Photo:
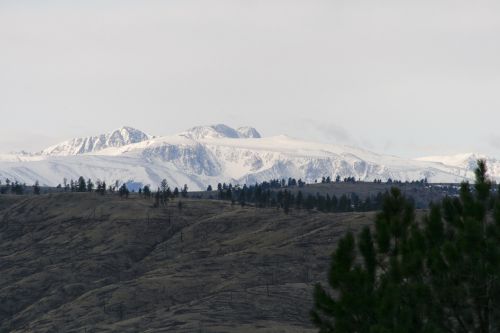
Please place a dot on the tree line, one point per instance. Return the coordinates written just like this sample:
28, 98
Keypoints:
277, 193
15, 187
292, 182
164, 192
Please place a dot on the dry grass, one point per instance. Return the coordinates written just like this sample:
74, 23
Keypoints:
87, 263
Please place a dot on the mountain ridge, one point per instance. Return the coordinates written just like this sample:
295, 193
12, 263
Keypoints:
120, 137
206, 155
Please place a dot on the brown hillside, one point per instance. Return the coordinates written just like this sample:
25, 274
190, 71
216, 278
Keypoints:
88, 263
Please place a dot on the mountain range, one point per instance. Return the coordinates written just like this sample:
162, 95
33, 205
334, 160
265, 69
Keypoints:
206, 155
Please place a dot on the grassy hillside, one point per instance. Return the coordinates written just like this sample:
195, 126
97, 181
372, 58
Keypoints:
81, 262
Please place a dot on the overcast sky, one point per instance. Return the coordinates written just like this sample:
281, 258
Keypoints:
409, 78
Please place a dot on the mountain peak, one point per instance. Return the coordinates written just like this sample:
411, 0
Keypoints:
249, 132
120, 137
126, 135
209, 154
220, 131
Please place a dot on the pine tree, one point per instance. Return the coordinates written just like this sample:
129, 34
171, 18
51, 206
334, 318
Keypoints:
164, 185
90, 185
287, 201
184, 192
147, 191
299, 200
157, 199
441, 275
123, 191
82, 186
36, 188
164, 191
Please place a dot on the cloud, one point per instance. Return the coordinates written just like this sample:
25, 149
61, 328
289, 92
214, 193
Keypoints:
329, 131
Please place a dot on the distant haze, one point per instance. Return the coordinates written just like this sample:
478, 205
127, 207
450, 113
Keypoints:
409, 78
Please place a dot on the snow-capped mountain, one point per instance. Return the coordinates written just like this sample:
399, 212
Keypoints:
117, 138
248, 132
211, 154
220, 131
466, 163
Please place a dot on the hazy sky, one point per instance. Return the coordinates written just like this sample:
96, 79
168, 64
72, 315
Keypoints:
410, 78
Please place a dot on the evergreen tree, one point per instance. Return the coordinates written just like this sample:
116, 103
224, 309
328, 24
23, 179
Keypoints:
299, 200
441, 275
309, 203
164, 191
287, 200
334, 204
164, 185
90, 185
123, 191
36, 188
157, 199
242, 195
82, 186
101, 187
17, 188
147, 191
184, 192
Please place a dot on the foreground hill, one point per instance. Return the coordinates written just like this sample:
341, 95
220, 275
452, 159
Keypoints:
90, 263
210, 154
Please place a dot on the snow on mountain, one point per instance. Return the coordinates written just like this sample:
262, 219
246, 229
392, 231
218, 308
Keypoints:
459, 160
118, 138
220, 131
211, 154
248, 132
466, 163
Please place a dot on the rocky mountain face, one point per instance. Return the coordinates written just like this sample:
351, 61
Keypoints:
211, 154
118, 138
